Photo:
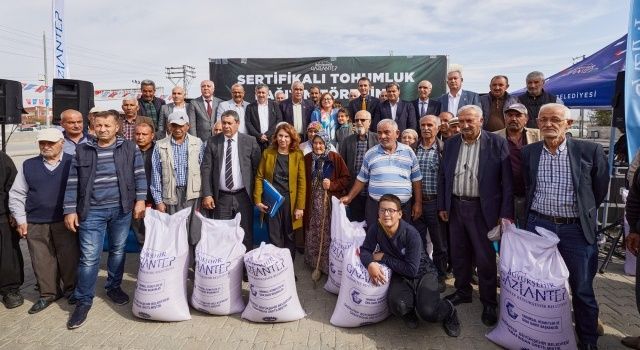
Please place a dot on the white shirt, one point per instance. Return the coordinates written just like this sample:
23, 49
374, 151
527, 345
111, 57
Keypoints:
454, 101
263, 115
297, 117
394, 109
235, 166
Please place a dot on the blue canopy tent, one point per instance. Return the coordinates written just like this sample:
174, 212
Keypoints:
589, 83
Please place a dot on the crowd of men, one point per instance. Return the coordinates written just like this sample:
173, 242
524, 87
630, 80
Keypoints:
478, 160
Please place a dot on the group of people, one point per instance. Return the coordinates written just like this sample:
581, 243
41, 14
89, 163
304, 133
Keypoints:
440, 172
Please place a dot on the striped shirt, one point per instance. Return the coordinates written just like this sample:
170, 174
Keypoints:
429, 161
390, 172
555, 195
105, 185
180, 166
465, 177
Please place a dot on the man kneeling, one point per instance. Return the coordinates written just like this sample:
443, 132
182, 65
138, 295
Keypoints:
413, 291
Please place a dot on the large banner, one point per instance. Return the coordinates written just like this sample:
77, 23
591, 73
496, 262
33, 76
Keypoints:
632, 80
60, 61
336, 75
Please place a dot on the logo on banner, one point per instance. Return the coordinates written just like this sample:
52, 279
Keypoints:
585, 69
324, 66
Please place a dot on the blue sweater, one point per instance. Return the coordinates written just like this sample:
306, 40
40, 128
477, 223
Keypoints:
46, 189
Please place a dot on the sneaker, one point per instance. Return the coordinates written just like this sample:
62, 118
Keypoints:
79, 316
13, 299
118, 296
451, 324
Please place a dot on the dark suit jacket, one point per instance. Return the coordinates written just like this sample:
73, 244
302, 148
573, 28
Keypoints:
253, 119
405, 115
204, 124
494, 177
348, 152
466, 98
589, 175
213, 161
286, 108
373, 106
434, 107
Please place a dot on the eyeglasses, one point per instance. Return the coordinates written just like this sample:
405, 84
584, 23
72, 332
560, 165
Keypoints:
360, 120
387, 211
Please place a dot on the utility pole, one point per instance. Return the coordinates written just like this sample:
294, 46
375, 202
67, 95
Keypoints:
46, 82
185, 74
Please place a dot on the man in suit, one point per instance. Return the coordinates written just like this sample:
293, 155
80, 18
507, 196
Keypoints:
236, 103
474, 192
494, 103
515, 119
456, 98
352, 150
178, 104
228, 171
394, 108
262, 115
566, 180
296, 110
423, 105
365, 101
536, 96
150, 104
205, 107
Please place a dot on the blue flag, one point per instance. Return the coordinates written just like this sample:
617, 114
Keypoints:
632, 80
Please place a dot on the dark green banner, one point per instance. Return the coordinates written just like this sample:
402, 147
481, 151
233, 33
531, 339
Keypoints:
336, 75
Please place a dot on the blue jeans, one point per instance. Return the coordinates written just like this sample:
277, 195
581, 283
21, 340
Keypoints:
581, 259
115, 223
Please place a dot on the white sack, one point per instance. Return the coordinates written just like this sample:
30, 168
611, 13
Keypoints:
535, 303
217, 287
360, 302
344, 235
273, 296
161, 289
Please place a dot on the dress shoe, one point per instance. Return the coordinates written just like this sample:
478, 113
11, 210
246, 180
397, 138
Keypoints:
13, 299
79, 316
489, 315
451, 324
410, 320
40, 305
118, 296
631, 342
457, 298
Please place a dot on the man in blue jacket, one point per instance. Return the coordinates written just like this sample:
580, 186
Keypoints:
105, 180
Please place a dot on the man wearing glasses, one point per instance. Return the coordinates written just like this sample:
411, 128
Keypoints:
566, 180
413, 289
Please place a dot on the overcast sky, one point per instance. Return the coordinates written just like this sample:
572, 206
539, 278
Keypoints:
114, 42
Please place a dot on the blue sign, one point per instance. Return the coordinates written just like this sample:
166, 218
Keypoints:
632, 81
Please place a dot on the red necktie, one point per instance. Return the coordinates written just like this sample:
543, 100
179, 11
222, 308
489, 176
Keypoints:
209, 107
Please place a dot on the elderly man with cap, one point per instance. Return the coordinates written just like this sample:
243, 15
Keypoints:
454, 126
175, 163
515, 120
35, 201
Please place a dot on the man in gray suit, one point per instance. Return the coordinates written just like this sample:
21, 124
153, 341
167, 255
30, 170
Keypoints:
494, 102
566, 180
456, 97
205, 108
177, 95
228, 171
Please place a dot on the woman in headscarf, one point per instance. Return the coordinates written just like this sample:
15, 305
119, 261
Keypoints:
327, 175
312, 129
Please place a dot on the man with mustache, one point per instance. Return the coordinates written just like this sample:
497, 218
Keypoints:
515, 120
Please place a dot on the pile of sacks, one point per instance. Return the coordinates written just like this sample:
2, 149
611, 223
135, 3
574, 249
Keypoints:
161, 290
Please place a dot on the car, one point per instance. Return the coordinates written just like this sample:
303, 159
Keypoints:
574, 130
